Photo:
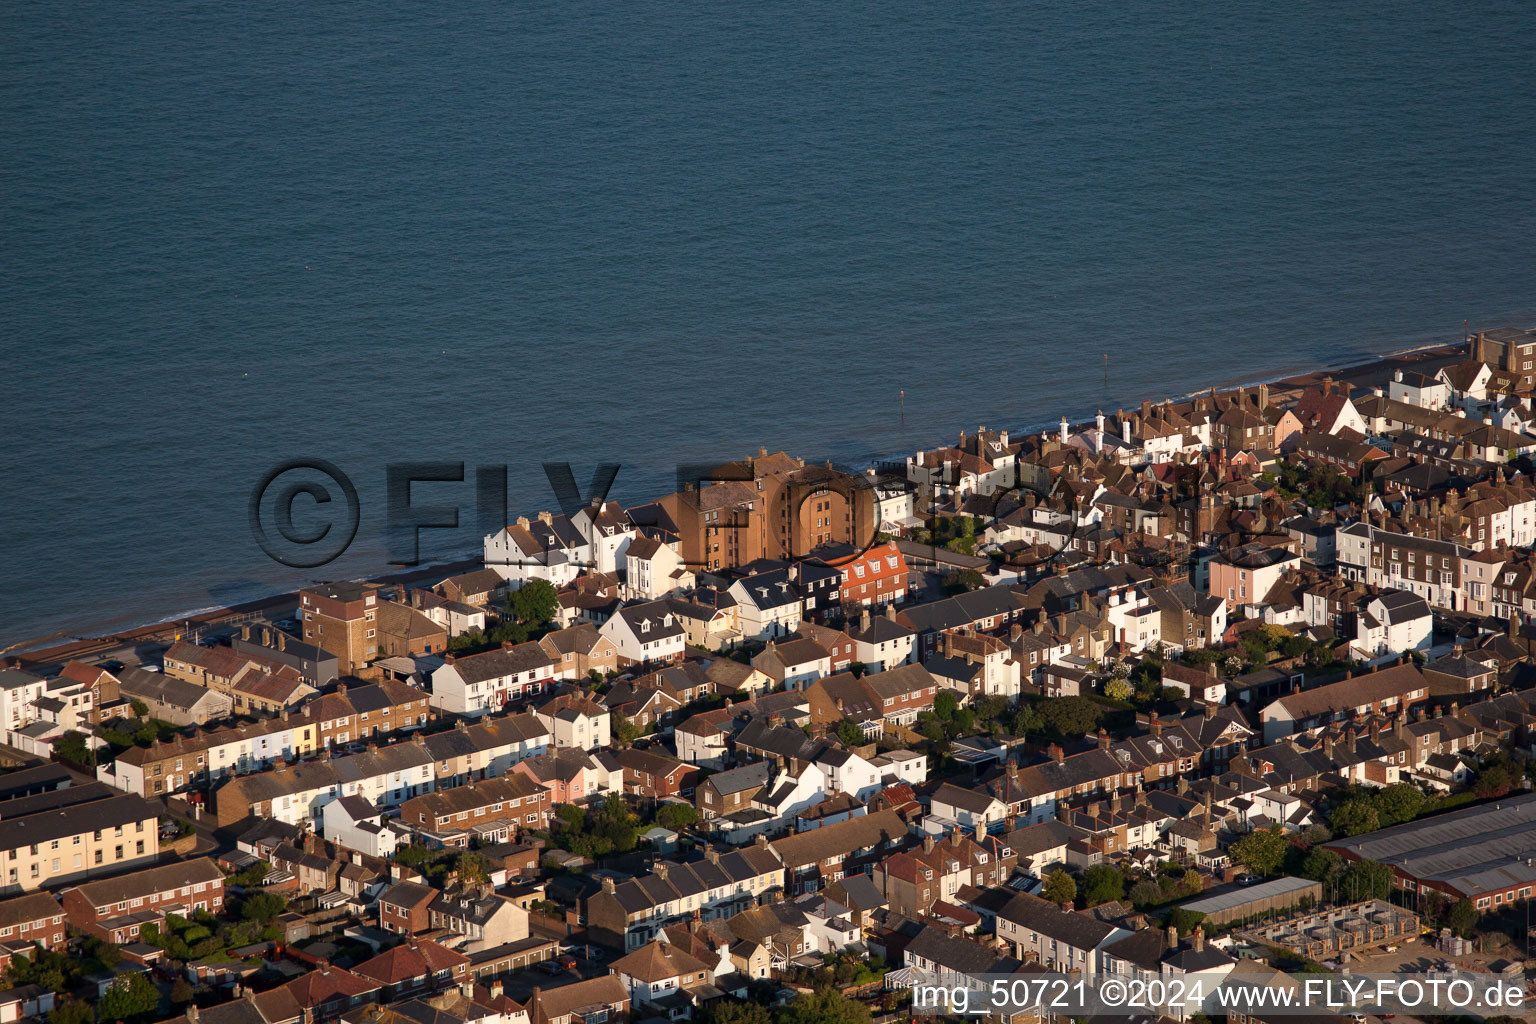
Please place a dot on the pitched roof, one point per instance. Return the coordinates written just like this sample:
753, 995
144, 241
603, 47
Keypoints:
417, 958
657, 961
840, 839
1355, 692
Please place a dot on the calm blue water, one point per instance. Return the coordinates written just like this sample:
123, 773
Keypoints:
240, 233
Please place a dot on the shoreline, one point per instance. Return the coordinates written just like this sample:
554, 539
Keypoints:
28, 653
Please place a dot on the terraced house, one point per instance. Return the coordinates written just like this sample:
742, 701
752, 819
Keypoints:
359, 712
628, 914
115, 909
210, 755
73, 833
295, 794
492, 811
36, 918
480, 683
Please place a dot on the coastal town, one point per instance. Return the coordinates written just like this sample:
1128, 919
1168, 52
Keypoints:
1233, 687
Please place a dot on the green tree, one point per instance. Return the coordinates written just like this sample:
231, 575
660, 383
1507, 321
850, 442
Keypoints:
73, 746
738, 1012
1101, 884
623, 730
534, 603
961, 580
262, 906
1399, 803
849, 733
1059, 888
1462, 918
992, 709
945, 705
1366, 880
824, 1006
1262, 851
675, 816
1027, 720
1186, 921
1069, 717
1322, 865
1495, 780
1353, 818
72, 1011
181, 992
472, 867
1146, 893
1119, 689
133, 995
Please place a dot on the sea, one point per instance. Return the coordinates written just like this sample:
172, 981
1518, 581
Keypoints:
240, 235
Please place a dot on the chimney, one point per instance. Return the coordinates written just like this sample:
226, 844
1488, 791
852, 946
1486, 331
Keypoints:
1199, 939
245, 632
1064, 430
1328, 746
1146, 409
1210, 710
1098, 437
1155, 724
607, 887
282, 640
1056, 753
507, 645
447, 659
1015, 632
1173, 937
864, 620
1125, 429
1103, 738
928, 844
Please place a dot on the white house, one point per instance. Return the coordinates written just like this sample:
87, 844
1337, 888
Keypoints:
768, 604
972, 809
575, 721
479, 683
847, 772
1422, 390
898, 766
788, 795
356, 824
653, 569
1393, 623
608, 533
548, 548
646, 633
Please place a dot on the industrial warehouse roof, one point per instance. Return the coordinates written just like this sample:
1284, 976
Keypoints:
1475, 850
1241, 896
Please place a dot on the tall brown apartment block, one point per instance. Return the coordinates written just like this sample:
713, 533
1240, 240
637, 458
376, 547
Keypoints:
769, 506
342, 618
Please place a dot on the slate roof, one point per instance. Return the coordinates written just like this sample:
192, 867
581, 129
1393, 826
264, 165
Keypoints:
1048, 919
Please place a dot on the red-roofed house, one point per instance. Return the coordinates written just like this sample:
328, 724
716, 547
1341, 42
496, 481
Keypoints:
416, 967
